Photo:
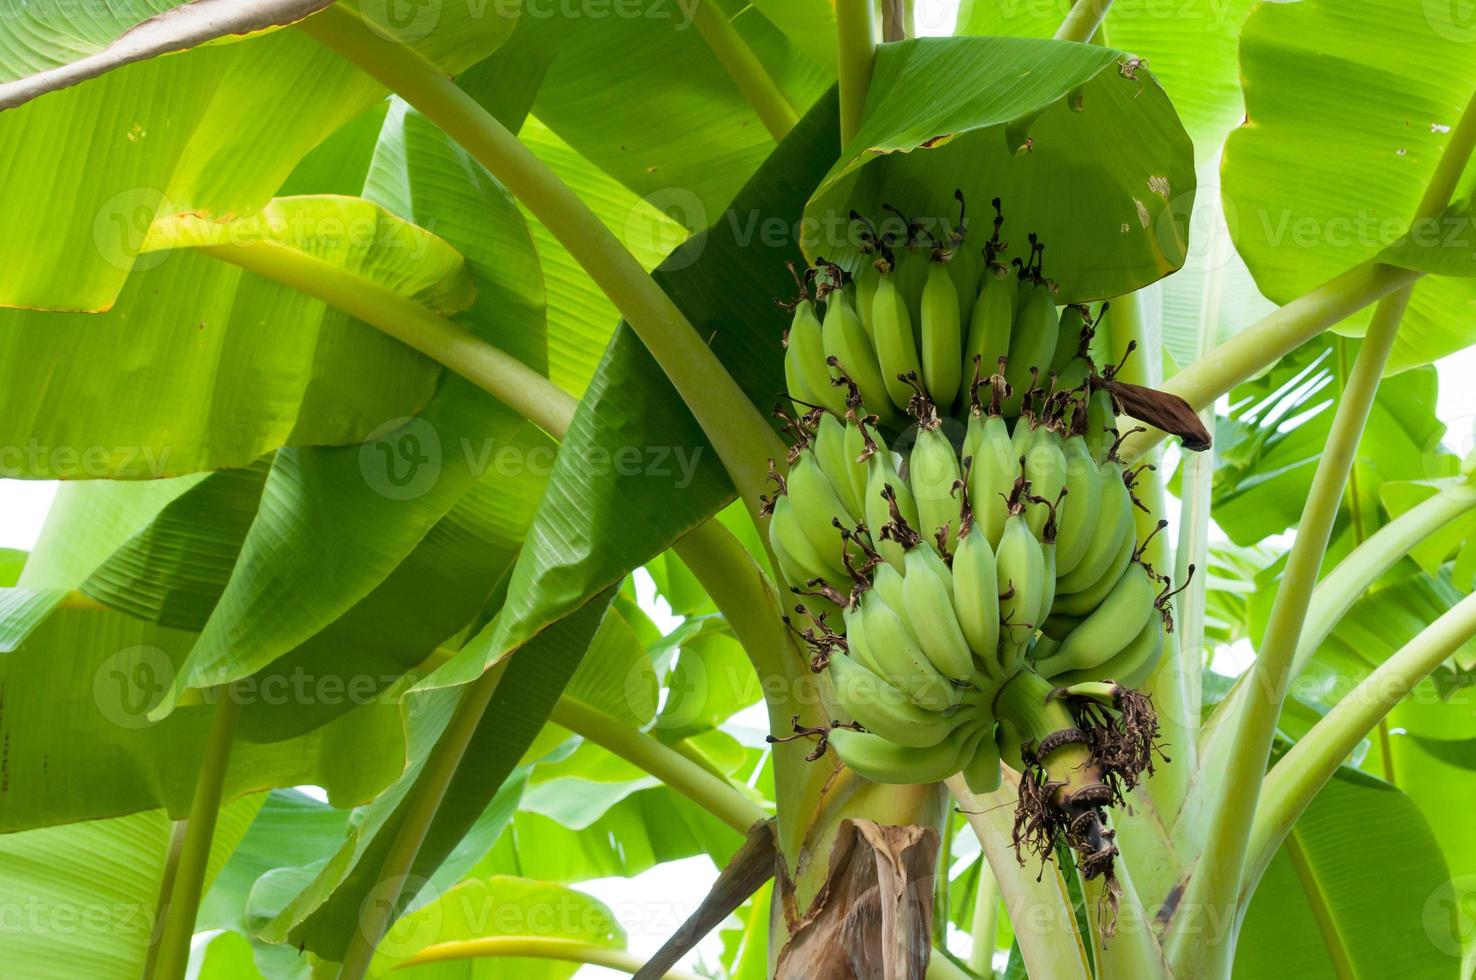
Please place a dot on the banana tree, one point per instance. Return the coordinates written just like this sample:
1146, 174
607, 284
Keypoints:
957, 393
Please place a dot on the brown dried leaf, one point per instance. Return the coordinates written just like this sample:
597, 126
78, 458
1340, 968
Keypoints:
1168, 412
873, 918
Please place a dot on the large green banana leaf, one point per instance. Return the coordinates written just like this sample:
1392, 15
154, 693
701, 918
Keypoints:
87, 893
499, 906
1082, 146
1319, 181
1268, 445
1360, 867
1191, 48
700, 139
213, 130
324, 915
597, 520
48, 45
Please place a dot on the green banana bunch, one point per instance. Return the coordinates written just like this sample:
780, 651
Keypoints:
954, 592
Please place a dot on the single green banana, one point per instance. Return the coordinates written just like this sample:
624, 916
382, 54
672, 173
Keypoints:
1073, 375
830, 452
1068, 338
798, 558
982, 773
928, 602
911, 274
896, 348
942, 335
818, 506
881, 473
976, 593
1032, 343
856, 644
992, 318
867, 277
804, 363
883, 761
858, 445
896, 651
1101, 430
1115, 525
845, 339
1083, 601
1079, 511
996, 467
881, 708
932, 471
1020, 568
1043, 646
1046, 469
887, 582
1111, 628
1048, 591
1130, 666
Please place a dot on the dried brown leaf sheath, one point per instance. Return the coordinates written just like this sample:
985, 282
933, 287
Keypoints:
1168, 412
873, 919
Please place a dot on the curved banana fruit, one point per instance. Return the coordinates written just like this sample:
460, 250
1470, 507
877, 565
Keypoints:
932, 471
1110, 628
829, 446
1079, 511
942, 335
1101, 430
976, 594
881, 474
857, 447
845, 339
899, 658
982, 773
798, 558
896, 348
1115, 525
928, 598
881, 708
1032, 343
1068, 339
1020, 568
1130, 666
805, 370
992, 318
817, 506
1046, 469
996, 467
1082, 603
883, 761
